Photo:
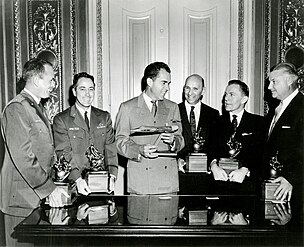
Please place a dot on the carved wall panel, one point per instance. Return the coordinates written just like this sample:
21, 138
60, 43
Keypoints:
292, 35
45, 42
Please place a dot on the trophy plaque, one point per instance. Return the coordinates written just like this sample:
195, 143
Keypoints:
274, 172
97, 177
230, 164
62, 170
197, 161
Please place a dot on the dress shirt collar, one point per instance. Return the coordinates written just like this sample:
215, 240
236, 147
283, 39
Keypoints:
82, 111
197, 111
238, 116
33, 96
287, 100
148, 101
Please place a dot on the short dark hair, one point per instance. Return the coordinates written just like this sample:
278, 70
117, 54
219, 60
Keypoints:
34, 67
243, 86
82, 75
151, 71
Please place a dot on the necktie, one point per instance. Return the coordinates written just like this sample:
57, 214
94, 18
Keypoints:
234, 122
276, 117
86, 119
192, 121
154, 108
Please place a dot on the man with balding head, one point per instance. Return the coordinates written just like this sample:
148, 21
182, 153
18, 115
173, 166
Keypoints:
285, 137
196, 117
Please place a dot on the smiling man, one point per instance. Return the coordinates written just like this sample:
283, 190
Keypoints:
196, 117
248, 129
25, 177
286, 132
147, 172
81, 125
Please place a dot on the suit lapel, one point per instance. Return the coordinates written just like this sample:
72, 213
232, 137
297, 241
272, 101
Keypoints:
95, 120
184, 116
285, 115
78, 119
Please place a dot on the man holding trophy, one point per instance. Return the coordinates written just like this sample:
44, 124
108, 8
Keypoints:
84, 135
197, 119
285, 136
236, 141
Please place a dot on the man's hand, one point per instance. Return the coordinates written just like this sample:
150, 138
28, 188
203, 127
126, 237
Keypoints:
181, 163
219, 218
148, 151
167, 138
238, 175
238, 219
82, 187
58, 216
56, 197
283, 211
83, 211
218, 173
284, 191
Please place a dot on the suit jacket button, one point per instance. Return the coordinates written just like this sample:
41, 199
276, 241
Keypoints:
147, 168
165, 167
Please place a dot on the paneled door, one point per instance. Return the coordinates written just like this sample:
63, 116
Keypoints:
192, 36
138, 35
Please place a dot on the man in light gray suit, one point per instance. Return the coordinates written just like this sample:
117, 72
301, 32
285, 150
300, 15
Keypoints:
149, 172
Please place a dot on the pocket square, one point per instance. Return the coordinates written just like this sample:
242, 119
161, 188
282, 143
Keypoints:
246, 134
286, 127
76, 128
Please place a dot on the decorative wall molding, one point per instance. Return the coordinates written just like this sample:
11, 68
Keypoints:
73, 38
99, 53
17, 40
267, 46
240, 39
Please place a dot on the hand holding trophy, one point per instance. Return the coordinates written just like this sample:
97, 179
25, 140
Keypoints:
62, 170
97, 177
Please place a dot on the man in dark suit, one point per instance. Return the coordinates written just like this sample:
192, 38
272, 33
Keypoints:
148, 171
285, 137
246, 129
29, 151
204, 118
81, 125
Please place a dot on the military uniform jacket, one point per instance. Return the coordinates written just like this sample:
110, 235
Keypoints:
29, 155
72, 138
148, 176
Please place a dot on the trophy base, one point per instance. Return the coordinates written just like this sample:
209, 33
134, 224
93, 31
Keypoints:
198, 217
98, 182
268, 190
228, 164
69, 189
196, 162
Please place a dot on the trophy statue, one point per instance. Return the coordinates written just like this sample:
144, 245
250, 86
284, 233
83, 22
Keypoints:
97, 176
275, 168
197, 161
62, 170
230, 164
